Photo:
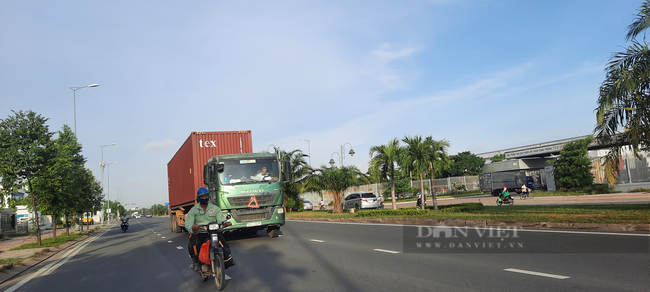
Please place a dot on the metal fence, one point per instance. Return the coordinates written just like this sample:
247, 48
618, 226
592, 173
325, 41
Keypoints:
631, 169
440, 186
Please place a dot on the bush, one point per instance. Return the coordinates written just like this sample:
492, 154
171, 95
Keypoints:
640, 190
390, 212
597, 189
457, 208
290, 203
331, 204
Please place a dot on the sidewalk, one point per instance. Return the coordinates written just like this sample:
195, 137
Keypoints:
28, 255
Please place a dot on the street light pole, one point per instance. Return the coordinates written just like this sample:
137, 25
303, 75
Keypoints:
308, 149
108, 178
332, 162
102, 164
74, 97
342, 156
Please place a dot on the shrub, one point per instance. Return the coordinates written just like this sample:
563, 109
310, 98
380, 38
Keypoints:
457, 208
597, 189
390, 212
640, 190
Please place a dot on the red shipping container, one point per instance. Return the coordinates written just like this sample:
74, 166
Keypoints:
185, 169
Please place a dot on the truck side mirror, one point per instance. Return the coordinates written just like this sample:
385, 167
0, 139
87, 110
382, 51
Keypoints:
287, 171
219, 168
206, 174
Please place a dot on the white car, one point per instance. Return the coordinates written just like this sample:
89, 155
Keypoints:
362, 201
308, 205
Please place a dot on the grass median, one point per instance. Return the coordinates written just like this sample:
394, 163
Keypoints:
627, 214
49, 242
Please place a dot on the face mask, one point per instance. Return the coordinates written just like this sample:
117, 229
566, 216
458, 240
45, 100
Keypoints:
203, 201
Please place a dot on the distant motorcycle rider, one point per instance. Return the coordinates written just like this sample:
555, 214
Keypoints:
204, 213
504, 193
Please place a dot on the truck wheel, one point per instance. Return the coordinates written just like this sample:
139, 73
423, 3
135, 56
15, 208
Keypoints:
273, 232
172, 220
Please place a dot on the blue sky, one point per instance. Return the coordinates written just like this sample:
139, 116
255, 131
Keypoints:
484, 75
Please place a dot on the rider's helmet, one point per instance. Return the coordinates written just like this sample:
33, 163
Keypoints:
202, 191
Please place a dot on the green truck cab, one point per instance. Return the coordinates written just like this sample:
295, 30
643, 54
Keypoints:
248, 187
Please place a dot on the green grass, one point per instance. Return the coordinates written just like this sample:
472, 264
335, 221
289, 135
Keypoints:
440, 196
8, 264
627, 214
640, 190
49, 242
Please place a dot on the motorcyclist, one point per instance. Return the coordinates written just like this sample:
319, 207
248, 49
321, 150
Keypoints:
204, 213
504, 193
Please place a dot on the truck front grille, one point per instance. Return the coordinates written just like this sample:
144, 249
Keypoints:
243, 200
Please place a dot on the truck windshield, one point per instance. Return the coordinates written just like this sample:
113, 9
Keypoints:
246, 171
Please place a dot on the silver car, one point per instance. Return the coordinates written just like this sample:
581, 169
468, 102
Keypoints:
308, 205
361, 201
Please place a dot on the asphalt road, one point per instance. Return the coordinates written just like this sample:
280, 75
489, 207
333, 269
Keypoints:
311, 256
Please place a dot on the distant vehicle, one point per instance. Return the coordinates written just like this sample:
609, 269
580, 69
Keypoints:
361, 201
148, 215
308, 205
136, 216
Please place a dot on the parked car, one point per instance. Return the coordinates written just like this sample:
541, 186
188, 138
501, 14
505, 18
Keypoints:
361, 201
148, 215
308, 205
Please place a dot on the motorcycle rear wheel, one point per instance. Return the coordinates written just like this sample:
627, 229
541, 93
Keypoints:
219, 271
511, 202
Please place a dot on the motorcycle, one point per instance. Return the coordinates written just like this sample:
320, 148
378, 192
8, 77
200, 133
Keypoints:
125, 224
216, 267
419, 202
506, 199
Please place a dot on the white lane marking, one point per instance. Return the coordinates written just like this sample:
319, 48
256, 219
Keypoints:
385, 250
169, 241
48, 269
316, 240
179, 247
163, 237
158, 234
537, 274
228, 277
526, 230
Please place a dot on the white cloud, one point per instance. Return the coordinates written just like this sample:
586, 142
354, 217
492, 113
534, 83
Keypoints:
158, 146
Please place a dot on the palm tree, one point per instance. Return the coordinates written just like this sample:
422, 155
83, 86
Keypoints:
336, 180
623, 98
299, 171
438, 162
416, 159
383, 161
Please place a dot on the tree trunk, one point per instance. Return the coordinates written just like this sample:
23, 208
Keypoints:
433, 195
337, 202
424, 196
38, 228
392, 194
67, 228
54, 226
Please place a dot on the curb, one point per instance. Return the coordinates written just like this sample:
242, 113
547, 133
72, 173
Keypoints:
28, 263
607, 227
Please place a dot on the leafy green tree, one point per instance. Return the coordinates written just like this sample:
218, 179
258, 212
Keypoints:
498, 157
573, 167
25, 149
384, 163
465, 163
90, 197
60, 184
623, 100
336, 180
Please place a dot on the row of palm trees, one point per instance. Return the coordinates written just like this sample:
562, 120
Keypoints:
418, 156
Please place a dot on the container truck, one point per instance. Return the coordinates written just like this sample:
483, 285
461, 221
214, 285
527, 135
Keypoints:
198, 163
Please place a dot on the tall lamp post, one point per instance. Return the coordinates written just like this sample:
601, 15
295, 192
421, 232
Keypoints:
108, 179
332, 162
308, 149
74, 96
102, 164
343, 151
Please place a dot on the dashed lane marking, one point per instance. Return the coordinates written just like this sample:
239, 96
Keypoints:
316, 240
169, 241
179, 247
385, 250
537, 274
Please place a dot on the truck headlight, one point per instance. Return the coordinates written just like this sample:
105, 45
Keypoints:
213, 226
280, 210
